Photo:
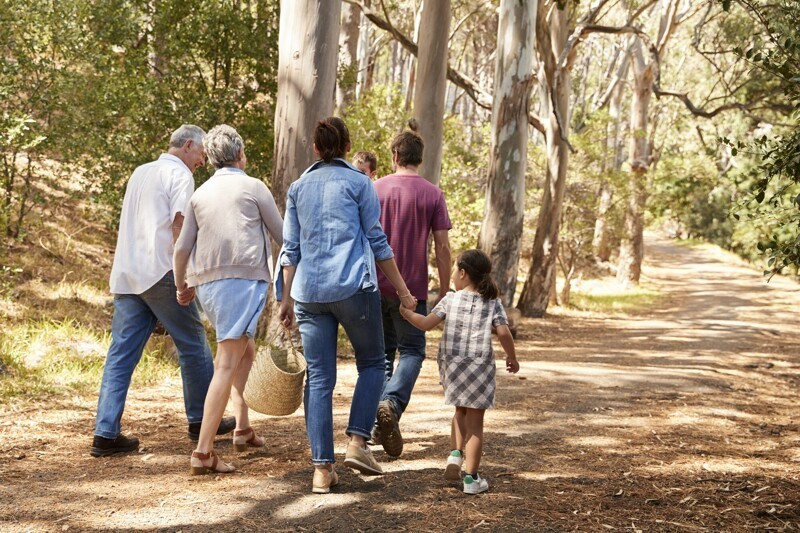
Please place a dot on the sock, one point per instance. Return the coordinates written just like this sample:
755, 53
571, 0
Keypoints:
456, 453
474, 476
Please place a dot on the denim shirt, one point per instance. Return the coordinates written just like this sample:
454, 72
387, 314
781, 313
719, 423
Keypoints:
332, 233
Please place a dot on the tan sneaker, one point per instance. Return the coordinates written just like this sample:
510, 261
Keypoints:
361, 459
324, 480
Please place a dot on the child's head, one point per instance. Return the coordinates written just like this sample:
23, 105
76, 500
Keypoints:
407, 149
474, 267
367, 163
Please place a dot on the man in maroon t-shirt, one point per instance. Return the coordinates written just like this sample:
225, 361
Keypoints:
411, 208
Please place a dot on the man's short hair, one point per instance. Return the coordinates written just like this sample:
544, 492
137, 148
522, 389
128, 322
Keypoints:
408, 146
187, 132
223, 144
362, 157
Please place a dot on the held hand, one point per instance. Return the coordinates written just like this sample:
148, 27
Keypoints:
408, 301
512, 365
185, 295
286, 313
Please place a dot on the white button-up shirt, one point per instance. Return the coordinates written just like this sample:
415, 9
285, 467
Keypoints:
156, 192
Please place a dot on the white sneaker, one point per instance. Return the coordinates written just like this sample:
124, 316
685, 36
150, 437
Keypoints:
475, 486
452, 470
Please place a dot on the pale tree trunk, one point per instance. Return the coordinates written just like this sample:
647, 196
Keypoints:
601, 242
363, 53
307, 56
431, 84
348, 55
308, 46
551, 40
631, 250
501, 231
412, 62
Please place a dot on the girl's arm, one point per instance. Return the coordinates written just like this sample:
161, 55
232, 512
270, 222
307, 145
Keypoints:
424, 323
507, 342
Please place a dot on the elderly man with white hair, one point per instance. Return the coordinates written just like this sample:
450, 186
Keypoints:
143, 285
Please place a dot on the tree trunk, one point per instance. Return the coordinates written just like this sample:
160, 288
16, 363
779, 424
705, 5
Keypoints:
631, 250
601, 243
501, 232
412, 62
550, 39
431, 83
348, 56
363, 53
308, 46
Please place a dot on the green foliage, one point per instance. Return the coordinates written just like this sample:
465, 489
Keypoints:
688, 195
374, 119
774, 200
100, 85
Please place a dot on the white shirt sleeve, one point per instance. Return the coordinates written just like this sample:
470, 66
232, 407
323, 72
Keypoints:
180, 190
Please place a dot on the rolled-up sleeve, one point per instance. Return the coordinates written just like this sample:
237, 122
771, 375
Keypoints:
290, 254
369, 208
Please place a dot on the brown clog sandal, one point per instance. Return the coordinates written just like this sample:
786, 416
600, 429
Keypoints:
241, 440
217, 466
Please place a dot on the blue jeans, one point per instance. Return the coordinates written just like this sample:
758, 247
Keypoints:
135, 317
400, 335
360, 315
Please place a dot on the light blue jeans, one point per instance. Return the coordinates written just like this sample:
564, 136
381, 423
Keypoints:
135, 317
360, 315
400, 336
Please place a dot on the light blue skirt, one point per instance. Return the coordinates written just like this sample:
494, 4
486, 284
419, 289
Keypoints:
233, 305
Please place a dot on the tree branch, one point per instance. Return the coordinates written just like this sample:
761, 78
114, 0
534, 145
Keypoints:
477, 93
699, 112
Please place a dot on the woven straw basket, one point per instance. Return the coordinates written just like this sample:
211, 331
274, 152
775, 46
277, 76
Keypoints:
275, 385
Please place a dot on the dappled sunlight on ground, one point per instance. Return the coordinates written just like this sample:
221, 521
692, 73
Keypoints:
683, 416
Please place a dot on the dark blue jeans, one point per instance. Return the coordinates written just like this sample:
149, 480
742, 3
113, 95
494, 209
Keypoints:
360, 315
135, 317
399, 335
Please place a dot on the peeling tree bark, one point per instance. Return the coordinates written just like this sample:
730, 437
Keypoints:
431, 84
601, 242
501, 232
308, 47
551, 40
348, 56
631, 250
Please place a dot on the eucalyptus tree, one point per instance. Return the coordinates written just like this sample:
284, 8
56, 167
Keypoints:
431, 83
308, 53
501, 231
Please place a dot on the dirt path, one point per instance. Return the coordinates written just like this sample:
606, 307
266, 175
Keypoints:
683, 418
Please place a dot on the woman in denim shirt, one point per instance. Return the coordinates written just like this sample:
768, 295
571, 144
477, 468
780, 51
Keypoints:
332, 239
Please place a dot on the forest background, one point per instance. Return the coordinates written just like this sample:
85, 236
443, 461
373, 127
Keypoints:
564, 129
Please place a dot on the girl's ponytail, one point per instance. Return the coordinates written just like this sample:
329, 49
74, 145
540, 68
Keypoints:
478, 267
331, 138
487, 287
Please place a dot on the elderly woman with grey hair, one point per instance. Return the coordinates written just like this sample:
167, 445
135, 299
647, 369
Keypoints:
224, 253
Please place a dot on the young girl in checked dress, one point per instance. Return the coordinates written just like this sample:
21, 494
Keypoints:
466, 361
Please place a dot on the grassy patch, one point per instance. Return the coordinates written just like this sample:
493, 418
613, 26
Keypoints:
605, 296
66, 357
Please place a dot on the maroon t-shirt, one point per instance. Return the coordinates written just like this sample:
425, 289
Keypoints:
411, 207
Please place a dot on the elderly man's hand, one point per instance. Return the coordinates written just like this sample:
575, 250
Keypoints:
185, 295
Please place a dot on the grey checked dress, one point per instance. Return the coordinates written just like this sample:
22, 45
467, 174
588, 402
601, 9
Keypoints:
466, 359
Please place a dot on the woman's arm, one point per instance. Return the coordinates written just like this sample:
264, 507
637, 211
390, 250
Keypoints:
390, 270
286, 312
269, 214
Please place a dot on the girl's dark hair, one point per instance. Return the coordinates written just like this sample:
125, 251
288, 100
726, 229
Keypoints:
331, 138
478, 267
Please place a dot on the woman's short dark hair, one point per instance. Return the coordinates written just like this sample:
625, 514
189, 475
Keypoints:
408, 146
331, 138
